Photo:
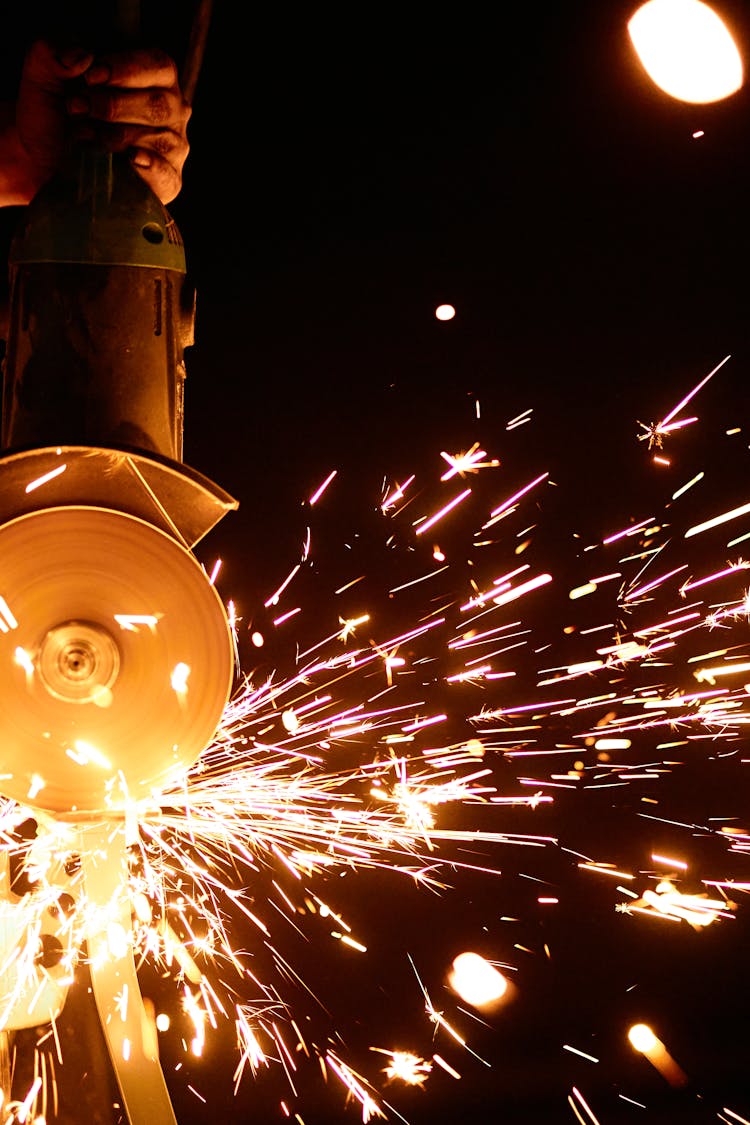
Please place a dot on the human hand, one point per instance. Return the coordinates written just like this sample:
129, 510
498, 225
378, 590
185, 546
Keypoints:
128, 102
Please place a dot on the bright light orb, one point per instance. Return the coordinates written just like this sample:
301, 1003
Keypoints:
642, 1038
445, 312
477, 981
687, 50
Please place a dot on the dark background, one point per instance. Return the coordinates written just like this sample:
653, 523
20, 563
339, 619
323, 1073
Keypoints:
350, 171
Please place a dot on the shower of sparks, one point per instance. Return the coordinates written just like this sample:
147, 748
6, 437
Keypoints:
430, 752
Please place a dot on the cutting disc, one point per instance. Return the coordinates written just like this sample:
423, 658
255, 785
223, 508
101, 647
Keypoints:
115, 660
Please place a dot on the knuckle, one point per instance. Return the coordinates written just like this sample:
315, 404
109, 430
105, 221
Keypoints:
163, 144
158, 107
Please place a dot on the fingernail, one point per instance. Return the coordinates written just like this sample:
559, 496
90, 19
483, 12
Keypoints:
97, 74
70, 57
141, 159
78, 105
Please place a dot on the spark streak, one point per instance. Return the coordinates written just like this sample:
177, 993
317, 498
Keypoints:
321, 489
437, 516
45, 478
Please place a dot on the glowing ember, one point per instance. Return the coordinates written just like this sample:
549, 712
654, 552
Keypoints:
477, 981
686, 49
406, 1067
445, 312
643, 1040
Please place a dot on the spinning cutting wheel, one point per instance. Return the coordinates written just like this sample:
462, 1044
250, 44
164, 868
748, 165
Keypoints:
115, 660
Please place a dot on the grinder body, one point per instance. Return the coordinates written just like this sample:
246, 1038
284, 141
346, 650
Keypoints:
101, 311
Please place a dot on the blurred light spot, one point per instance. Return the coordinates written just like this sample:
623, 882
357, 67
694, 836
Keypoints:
179, 678
85, 754
290, 721
130, 621
102, 696
687, 50
36, 786
142, 908
582, 591
476, 981
24, 661
117, 940
642, 1038
445, 312
475, 748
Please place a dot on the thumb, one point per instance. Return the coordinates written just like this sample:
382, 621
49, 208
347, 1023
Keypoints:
49, 66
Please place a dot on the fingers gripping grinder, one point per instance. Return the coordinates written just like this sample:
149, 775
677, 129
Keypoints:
116, 657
